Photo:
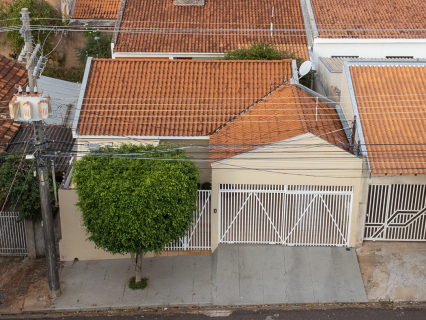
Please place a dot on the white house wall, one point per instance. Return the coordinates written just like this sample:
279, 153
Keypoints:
368, 48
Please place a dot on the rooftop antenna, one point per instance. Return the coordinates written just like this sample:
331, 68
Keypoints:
305, 68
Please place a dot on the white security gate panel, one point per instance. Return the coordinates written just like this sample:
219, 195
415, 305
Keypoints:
198, 236
13, 236
292, 215
396, 212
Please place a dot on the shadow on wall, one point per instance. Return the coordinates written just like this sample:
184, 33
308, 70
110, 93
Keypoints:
35, 237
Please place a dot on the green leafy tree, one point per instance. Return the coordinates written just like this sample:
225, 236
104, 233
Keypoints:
135, 198
41, 14
25, 193
98, 45
266, 51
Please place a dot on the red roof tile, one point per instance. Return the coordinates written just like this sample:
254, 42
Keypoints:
216, 27
370, 18
11, 75
392, 109
173, 98
287, 113
96, 9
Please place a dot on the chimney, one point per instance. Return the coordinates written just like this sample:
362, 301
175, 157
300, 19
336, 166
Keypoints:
189, 2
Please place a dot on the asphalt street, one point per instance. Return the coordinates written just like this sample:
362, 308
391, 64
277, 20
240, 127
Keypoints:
228, 314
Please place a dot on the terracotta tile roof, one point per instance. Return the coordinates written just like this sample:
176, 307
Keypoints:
392, 108
57, 133
287, 113
376, 18
11, 75
201, 29
174, 97
96, 9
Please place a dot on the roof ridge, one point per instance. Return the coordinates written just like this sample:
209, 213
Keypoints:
249, 108
190, 61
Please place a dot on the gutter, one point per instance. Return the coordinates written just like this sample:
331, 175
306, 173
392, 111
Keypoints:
109, 138
342, 118
81, 97
355, 108
118, 25
309, 34
313, 24
170, 55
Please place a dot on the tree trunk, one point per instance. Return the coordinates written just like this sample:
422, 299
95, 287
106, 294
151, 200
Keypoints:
138, 267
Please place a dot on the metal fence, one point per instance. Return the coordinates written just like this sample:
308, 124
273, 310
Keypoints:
13, 237
199, 233
396, 212
292, 215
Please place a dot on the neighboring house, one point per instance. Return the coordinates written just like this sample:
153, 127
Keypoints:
12, 75
388, 100
329, 75
367, 28
61, 145
199, 29
95, 13
64, 95
281, 163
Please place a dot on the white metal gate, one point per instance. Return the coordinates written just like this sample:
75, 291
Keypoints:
199, 234
396, 212
13, 236
292, 215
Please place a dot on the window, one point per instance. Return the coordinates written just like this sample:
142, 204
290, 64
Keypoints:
399, 57
345, 56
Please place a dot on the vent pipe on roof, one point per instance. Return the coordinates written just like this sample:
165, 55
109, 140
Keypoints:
189, 2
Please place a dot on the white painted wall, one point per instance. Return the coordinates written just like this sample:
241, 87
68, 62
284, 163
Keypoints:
368, 48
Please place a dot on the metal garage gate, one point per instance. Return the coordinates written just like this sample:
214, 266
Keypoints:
396, 212
292, 215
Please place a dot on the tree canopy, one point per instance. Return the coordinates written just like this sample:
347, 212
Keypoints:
261, 51
97, 45
267, 51
136, 198
41, 13
25, 193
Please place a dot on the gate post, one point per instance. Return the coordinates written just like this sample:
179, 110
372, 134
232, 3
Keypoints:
29, 229
215, 212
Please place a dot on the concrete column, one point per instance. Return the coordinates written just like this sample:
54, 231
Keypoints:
362, 209
29, 228
214, 216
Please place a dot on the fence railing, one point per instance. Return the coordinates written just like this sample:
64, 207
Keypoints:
199, 233
13, 236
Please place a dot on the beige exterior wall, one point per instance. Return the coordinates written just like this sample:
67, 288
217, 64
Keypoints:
329, 79
306, 160
345, 99
74, 243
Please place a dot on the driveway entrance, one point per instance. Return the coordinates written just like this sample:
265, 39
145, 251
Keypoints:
263, 274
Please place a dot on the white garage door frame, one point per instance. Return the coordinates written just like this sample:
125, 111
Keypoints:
290, 215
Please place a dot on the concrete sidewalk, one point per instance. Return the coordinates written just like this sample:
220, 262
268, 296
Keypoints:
393, 270
178, 281
233, 275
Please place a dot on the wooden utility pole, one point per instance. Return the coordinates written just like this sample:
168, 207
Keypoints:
42, 165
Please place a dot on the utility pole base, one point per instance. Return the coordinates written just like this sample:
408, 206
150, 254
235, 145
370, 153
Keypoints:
54, 294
